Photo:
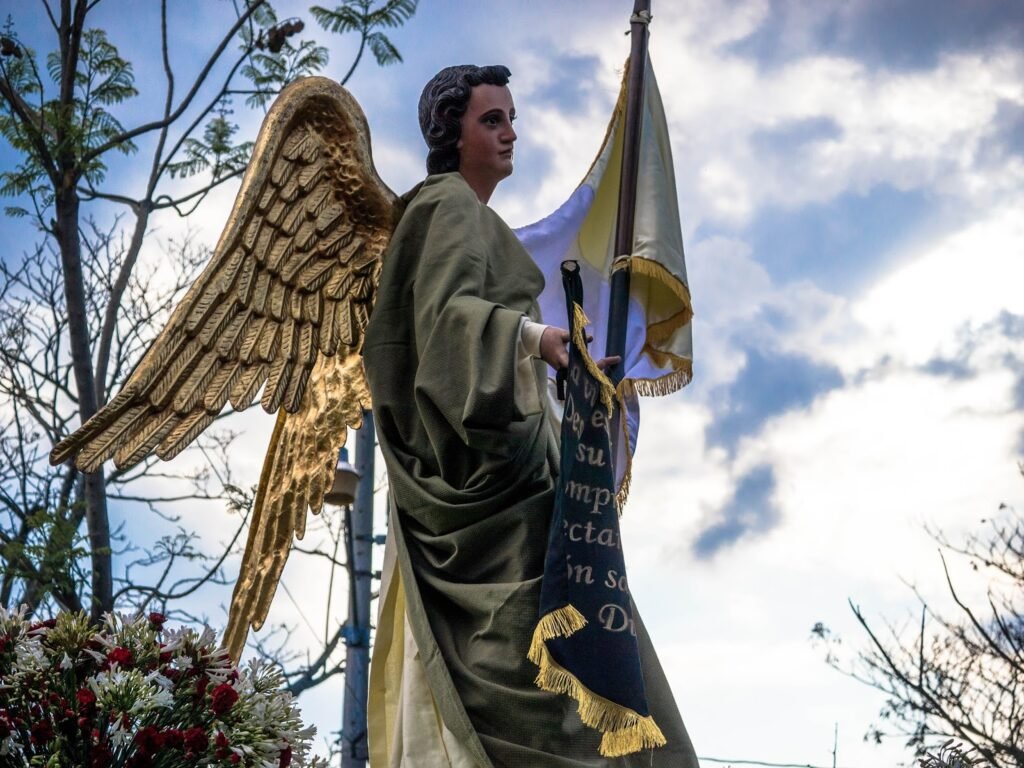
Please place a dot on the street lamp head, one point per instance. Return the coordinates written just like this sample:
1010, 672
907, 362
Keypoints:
346, 478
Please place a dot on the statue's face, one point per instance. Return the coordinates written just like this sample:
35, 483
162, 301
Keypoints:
485, 146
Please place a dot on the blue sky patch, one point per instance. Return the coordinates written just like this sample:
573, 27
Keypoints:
841, 245
887, 34
795, 134
750, 510
769, 384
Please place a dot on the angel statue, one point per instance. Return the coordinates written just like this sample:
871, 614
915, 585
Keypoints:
328, 292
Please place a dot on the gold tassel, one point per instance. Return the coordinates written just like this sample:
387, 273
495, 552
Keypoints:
580, 320
656, 271
561, 622
624, 731
644, 735
664, 385
627, 476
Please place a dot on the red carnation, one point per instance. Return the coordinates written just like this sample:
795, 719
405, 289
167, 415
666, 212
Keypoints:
42, 732
148, 740
157, 619
286, 757
221, 741
120, 655
173, 738
101, 756
86, 701
223, 698
196, 740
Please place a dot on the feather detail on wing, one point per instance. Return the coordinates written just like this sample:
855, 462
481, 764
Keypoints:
291, 281
298, 470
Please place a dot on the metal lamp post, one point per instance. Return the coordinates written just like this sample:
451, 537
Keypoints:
356, 630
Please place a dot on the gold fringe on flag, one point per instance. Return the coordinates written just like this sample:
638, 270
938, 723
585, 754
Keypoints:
623, 730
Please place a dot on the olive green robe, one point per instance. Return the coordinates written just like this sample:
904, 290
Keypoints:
472, 483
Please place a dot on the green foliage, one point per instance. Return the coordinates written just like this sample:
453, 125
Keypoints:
55, 138
274, 61
362, 17
214, 152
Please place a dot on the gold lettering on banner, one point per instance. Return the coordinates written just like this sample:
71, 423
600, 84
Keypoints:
605, 537
593, 456
580, 573
614, 618
573, 415
615, 581
588, 494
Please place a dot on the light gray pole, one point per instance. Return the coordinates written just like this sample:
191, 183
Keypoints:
359, 535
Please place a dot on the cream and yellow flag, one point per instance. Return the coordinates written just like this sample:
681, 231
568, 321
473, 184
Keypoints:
659, 354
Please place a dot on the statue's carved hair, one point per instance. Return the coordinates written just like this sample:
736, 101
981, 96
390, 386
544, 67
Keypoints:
443, 103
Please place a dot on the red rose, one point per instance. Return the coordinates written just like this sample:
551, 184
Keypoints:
195, 740
286, 757
235, 758
157, 619
120, 656
223, 698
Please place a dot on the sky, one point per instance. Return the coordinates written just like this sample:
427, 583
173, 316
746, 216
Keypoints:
851, 181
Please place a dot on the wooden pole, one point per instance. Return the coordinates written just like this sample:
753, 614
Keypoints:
619, 304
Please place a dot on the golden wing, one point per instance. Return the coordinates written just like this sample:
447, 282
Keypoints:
298, 471
291, 282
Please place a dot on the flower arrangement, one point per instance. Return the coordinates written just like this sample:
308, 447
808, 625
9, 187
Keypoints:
131, 693
951, 755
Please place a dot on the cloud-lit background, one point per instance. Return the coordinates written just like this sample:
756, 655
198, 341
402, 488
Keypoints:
851, 182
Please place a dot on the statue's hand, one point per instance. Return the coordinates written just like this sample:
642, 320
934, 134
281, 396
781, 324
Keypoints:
553, 349
554, 352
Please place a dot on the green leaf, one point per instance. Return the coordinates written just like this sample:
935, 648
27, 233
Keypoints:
383, 49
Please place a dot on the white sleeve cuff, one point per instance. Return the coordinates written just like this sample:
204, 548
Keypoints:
530, 333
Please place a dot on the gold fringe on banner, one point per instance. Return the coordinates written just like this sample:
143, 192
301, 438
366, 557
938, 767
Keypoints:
623, 730
580, 320
559, 623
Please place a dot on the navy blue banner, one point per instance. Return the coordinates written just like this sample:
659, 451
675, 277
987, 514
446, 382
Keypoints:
586, 628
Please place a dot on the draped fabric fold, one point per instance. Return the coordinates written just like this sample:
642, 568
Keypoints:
472, 479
